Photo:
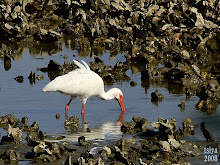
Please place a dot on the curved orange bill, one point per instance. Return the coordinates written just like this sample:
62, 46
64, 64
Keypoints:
121, 103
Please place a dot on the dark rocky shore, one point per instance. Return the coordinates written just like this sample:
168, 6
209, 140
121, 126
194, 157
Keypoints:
171, 43
162, 143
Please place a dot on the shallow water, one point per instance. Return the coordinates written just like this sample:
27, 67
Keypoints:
24, 99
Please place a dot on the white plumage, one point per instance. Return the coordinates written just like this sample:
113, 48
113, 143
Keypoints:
83, 83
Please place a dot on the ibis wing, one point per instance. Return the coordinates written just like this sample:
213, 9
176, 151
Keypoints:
77, 83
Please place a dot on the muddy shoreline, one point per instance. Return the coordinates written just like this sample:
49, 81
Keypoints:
171, 43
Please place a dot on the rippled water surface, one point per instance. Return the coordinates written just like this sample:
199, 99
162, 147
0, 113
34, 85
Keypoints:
24, 99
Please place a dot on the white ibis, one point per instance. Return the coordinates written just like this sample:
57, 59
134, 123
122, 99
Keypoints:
83, 83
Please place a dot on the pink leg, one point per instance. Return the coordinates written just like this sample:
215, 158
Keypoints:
83, 109
67, 106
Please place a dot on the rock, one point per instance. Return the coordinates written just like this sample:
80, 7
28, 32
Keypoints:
155, 96
32, 78
182, 104
185, 54
7, 63
19, 79
41, 135
39, 77
196, 70
106, 152
206, 133
39, 149
136, 119
187, 123
56, 150
165, 126
188, 127
86, 156
120, 156
54, 66
10, 156
128, 127
9, 119
150, 147
121, 144
81, 161
34, 127
189, 149
165, 146
14, 135
7, 139
68, 160
98, 161
173, 142
46, 158
72, 123
207, 105
57, 116
142, 125
24, 120
83, 142
188, 93
199, 18
133, 83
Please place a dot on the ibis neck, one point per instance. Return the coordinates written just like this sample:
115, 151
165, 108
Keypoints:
106, 95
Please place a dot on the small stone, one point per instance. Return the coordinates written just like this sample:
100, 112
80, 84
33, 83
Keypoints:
39, 77
19, 79
133, 83
57, 116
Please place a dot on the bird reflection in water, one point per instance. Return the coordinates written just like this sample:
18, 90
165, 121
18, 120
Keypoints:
108, 130
120, 119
